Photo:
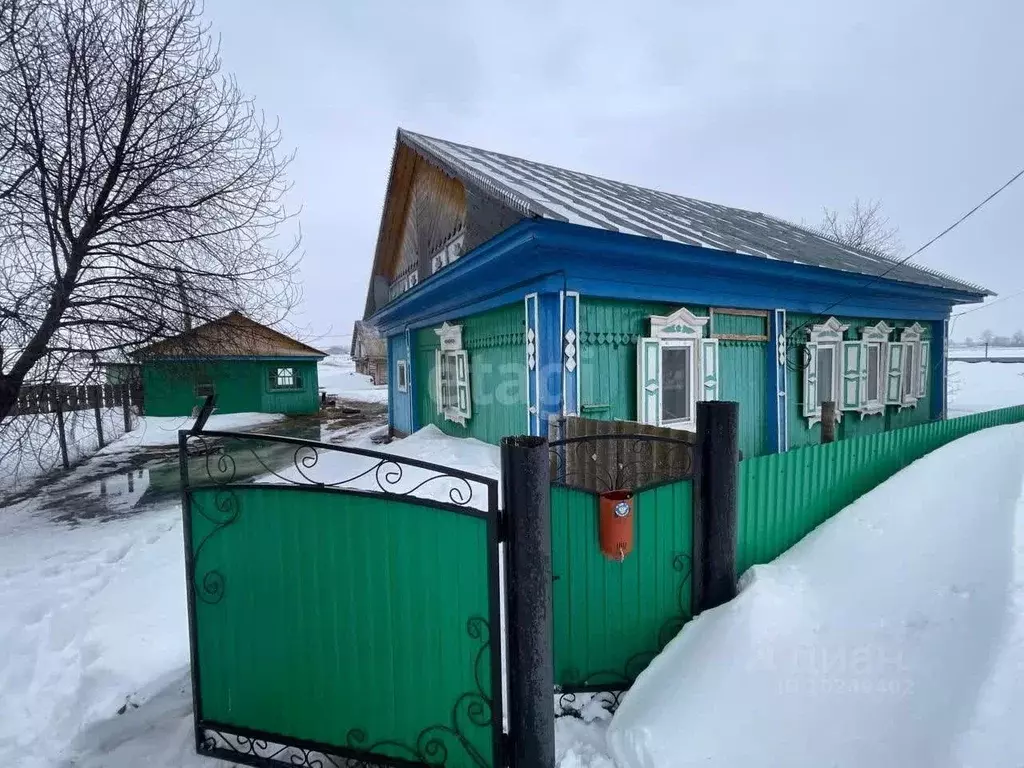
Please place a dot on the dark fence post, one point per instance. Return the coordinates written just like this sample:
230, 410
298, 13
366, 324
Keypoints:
716, 488
526, 510
96, 397
828, 421
126, 406
58, 402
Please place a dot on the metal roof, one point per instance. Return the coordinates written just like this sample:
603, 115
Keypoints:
536, 189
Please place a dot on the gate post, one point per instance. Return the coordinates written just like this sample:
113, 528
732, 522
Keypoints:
716, 509
526, 515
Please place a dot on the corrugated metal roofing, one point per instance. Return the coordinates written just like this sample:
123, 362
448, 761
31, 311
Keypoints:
536, 189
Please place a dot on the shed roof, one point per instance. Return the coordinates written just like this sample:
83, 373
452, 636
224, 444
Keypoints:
233, 335
546, 191
373, 344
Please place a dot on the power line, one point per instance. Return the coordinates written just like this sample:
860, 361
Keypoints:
903, 261
986, 306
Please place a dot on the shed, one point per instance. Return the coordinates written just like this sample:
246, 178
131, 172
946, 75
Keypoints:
514, 293
250, 367
369, 351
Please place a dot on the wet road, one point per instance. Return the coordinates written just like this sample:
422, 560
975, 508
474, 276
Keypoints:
113, 485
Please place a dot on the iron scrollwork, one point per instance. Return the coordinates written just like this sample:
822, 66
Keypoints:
384, 473
433, 746
210, 588
599, 463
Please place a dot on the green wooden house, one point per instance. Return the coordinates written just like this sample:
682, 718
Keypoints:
514, 293
249, 367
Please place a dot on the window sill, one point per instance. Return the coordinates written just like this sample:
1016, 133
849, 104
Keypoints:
457, 418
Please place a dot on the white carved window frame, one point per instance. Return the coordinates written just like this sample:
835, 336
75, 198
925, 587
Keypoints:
452, 376
875, 337
829, 336
681, 329
916, 351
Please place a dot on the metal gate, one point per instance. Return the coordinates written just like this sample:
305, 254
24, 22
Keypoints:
611, 618
346, 613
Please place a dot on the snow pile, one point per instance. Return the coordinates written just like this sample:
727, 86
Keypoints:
337, 376
868, 643
30, 445
427, 444
975, 387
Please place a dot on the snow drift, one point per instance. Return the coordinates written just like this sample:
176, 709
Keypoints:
868, 643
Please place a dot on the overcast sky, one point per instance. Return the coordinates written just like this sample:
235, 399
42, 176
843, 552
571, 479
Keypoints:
776, 107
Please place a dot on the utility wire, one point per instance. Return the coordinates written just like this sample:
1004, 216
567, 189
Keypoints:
903, 261
986, 306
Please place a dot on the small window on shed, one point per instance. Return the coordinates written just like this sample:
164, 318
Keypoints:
204, 386
285, 378
403, 376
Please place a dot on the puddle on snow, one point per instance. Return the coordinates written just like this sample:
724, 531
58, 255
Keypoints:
154, 477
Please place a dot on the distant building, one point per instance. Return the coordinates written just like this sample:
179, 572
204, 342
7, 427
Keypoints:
250, 367
512, 293
370, 352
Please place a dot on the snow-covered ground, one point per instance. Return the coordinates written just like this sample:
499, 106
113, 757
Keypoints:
337, 375
155, 431
977, 387
890, 636
893, 635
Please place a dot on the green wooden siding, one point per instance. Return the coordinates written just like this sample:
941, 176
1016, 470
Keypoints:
608, 332
783, 497
743, 372
611, 618
240, 386
497, 363
347, 620
608, 336
852, 424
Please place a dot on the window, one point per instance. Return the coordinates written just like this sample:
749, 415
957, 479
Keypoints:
828, 362
874, 341
204, 386
677, 383
402, 376
874, 369
285, 378
451, 376
912, 365
676, 367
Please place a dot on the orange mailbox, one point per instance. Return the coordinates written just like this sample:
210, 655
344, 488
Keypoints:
616, 524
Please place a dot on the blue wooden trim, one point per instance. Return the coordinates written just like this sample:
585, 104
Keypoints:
549, 351
537, 256
939, 369
570, 341
218, 358
411, 364
532, 360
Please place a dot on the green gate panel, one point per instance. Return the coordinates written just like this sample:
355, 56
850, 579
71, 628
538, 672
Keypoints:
783, 497
611, 618
348, 619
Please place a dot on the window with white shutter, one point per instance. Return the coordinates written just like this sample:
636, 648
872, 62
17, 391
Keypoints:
828, 375
676, 367
875, 340
452, 376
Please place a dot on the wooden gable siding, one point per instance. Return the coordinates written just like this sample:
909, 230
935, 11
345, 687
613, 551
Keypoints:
424, 208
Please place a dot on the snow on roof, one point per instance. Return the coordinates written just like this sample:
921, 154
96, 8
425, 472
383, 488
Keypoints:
546, 191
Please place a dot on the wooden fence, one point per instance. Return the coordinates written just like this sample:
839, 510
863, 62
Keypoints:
60, 399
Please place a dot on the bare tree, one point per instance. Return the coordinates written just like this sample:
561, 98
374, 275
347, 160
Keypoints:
863, 226
137, 174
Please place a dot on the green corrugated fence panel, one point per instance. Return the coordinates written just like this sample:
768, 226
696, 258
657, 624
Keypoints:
343, 619
611, 618
783, 497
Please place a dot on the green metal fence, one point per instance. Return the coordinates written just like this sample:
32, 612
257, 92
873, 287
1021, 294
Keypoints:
343, 621
783, 497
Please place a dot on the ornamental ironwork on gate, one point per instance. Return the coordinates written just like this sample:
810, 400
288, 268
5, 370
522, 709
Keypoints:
614, 614
343, 606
